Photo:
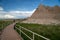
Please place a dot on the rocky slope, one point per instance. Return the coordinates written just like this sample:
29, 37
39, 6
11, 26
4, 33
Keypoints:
45, 15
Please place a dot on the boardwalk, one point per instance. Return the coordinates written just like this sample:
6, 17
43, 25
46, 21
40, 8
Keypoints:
10, 34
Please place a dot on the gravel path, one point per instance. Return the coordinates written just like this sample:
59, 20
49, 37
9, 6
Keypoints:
10, 34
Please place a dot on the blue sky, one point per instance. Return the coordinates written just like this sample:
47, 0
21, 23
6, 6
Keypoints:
22, 8
19, 4
26, 4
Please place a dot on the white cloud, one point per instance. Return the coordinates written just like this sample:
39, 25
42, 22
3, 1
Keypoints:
15, 14
1, 16
1, 8
8, 16
22, 13
2, 12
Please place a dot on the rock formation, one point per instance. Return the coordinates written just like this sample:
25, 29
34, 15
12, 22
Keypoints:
45, 15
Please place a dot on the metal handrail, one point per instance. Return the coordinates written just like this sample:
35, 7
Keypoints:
31, 32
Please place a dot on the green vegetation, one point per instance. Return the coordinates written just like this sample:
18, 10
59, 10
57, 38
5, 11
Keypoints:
3, 24
49, 31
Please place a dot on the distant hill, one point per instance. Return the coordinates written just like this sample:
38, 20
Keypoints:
45, 15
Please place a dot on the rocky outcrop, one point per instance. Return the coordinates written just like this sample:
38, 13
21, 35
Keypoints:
45, 15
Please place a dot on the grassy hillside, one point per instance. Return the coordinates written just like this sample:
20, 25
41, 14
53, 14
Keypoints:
50, 31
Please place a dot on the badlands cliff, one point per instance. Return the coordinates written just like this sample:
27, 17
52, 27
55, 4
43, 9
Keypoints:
45, 15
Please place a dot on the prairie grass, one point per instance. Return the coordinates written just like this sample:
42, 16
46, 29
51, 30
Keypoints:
49, 31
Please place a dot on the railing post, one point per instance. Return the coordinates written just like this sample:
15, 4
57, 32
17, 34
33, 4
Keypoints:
33, 36
48, 39
2, 26
20, 30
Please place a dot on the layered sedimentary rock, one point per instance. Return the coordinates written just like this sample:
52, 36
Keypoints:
45, 15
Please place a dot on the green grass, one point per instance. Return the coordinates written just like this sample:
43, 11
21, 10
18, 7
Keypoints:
50, 31
3, 24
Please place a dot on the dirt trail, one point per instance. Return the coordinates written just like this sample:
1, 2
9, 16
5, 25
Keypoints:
10, 34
